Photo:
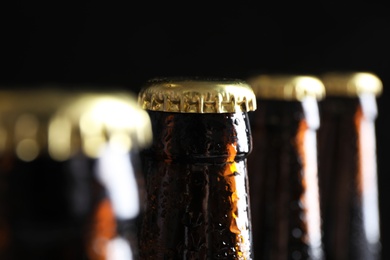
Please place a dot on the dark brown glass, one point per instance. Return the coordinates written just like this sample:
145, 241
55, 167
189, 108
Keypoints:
57, 210
277, 182
194, 172
340, 183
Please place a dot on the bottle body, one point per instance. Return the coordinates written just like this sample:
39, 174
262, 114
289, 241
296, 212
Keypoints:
347, 174
197, 204
40, 216
283, 180
60, 210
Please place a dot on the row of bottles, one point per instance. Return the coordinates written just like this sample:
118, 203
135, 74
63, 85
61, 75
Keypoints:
312, 171
271, 167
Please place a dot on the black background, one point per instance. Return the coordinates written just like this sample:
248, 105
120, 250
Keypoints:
124, 43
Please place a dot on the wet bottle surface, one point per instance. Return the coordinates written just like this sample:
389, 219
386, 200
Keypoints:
56, 188
347, 172
197, 203
283, 167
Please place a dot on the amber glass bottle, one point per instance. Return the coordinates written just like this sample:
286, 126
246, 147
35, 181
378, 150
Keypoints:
197, 203
347, 166
69, 164
283, 167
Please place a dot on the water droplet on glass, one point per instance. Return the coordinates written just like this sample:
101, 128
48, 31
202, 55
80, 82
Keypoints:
297, 233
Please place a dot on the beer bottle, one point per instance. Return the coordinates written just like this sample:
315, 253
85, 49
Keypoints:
283, 167
347, 166
197, 204
69, 174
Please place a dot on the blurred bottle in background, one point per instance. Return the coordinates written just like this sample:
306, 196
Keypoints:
347, 166
283, 167
70, 174
197, 204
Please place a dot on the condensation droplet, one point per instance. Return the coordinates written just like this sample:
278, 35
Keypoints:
297, 233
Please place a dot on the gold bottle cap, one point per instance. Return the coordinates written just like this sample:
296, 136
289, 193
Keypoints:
351, 84
195, 95
287, 87
64, 123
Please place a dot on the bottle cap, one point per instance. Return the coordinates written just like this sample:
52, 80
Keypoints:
195, 95
287, 87
63, 123
351, 84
